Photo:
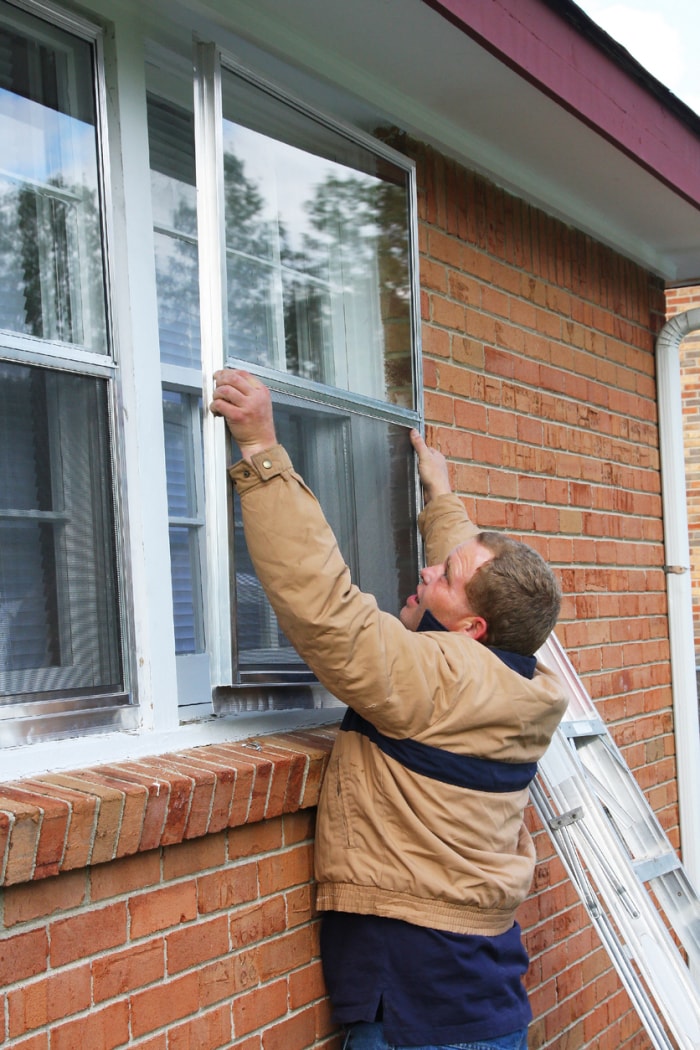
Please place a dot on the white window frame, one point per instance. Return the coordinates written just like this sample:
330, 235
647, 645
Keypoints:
37, 718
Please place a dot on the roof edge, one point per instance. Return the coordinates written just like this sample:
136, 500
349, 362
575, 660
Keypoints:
559, 49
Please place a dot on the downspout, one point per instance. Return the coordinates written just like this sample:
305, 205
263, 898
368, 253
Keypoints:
678, 585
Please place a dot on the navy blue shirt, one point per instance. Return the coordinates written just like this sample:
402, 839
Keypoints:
427, 986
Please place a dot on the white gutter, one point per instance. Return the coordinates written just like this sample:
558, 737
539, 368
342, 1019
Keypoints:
678, 585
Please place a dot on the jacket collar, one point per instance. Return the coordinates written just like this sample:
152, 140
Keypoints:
524, 665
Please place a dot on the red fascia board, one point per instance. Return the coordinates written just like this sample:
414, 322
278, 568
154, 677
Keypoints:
546, 49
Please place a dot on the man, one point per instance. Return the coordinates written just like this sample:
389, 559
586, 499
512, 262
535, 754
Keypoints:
422, 856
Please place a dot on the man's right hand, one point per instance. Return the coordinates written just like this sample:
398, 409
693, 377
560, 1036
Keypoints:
245, 404
432, 468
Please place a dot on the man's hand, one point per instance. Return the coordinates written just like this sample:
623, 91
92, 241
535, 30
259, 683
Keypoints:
245, 404
432, 468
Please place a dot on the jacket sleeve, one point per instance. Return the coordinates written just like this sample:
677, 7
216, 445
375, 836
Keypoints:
444, 524
362, 655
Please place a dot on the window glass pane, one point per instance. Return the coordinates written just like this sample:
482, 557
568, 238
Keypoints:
59, 613
51, 266
183, 559
171, 144
318, 277
184, 469
351, 462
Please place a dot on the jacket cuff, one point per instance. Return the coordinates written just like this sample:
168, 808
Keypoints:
437, 506
271, 463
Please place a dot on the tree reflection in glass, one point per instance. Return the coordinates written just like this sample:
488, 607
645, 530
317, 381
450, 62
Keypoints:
51, 265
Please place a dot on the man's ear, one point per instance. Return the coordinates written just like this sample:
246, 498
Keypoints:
476, 627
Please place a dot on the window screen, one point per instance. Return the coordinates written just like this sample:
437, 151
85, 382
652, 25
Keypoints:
59, 615
317, 232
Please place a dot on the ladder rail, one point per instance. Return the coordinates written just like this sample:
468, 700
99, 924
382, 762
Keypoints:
568, 855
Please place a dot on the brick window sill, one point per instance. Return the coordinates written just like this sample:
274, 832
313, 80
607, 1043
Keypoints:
62, 821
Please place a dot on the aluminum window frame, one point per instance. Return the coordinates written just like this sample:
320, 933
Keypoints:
209, 63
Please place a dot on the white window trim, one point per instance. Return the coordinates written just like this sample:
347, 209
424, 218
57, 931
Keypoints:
153, 725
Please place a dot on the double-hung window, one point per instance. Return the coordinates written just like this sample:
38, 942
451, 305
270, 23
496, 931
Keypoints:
308, 280
62, 664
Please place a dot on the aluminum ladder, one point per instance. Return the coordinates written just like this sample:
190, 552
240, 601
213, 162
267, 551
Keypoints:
623, 866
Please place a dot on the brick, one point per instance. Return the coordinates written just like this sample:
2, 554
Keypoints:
24, 827
300, 904
196, 944
253, 1043
252, 783
282, 870
87, 933
288, 771
306, 986
156, 794
224, 784
259, 1007
31, 901
82, 822
133, 814
54, 817
120, 973
202, 787
205, 1032
195, 857
162, 908
264, 919
5, 830
40, 1041
215, 980
109, 813
298, 827
295, 1033
103, 1029
179, 790
124, 876
284, 954
164, 1004
50, 1000
225, 889
22, 956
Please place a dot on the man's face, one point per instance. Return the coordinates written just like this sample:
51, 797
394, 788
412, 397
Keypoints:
442, 589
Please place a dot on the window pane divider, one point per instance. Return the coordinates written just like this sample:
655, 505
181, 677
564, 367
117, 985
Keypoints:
171, 231
180, 377
185, 522
33, 515
46, 189
65, 357
317, 393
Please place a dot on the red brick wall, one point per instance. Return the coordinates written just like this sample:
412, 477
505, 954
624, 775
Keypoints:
539, 386
179, 915
679, 300
167, 929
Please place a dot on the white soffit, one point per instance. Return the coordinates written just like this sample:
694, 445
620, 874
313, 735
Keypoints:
375, 62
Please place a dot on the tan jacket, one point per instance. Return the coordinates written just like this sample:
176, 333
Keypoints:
391, 841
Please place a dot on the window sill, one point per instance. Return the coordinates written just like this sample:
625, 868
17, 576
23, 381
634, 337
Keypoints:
58, 822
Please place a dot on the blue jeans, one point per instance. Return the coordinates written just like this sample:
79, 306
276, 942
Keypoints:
366, 1036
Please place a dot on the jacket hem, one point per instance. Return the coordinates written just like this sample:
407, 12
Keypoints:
432, 914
